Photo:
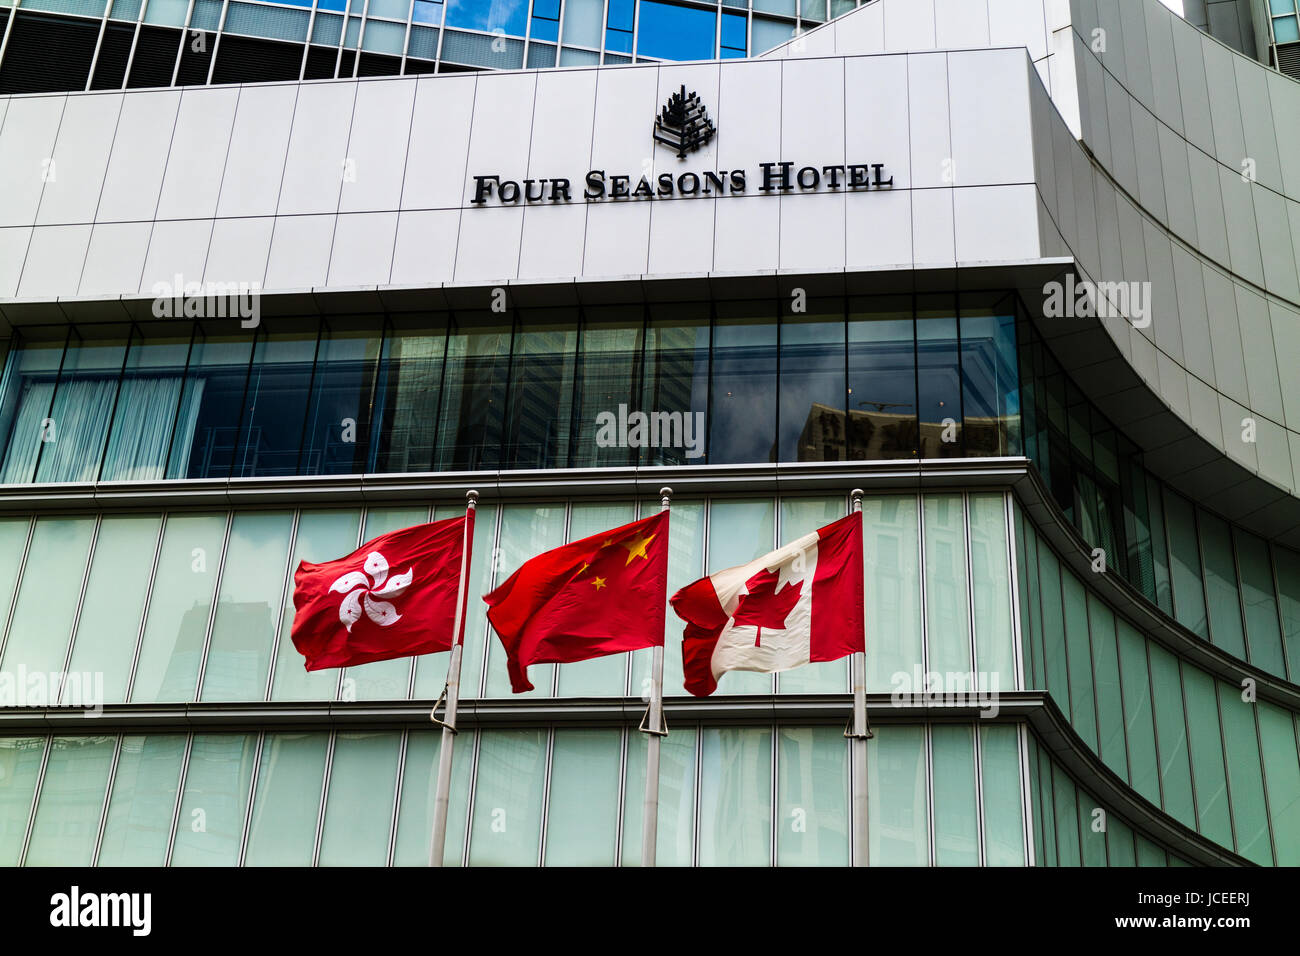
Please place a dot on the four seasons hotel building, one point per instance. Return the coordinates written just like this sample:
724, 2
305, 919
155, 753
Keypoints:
1026, 271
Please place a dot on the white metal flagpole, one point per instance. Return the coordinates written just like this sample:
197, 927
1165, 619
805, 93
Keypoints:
859, 735
654, 730
452, 692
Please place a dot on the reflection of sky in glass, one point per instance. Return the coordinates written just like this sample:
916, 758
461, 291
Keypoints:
331, 5
425, 12
675, 33
733, 31
510, 16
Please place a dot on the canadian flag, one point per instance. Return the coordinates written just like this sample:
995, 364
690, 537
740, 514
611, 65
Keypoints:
799, 604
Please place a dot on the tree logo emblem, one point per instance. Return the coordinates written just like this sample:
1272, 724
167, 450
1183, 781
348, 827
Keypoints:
683, 123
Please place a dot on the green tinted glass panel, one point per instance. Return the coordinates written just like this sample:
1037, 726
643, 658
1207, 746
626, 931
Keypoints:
508, 798
248, 608
110, 616
991, 591
1245, 778
892, 552
139, 824
582, 819
1092, 830
898, 816
1148, 854
179, 608
1185, 564
1119, 843
675, 828
1079, 653
359, 806
282, 831
1221, 584
1171, 735
1287, 565
1047, 800
1105, 664
813, 786
1208, 772
47, 603
1067, 820
1004, 829
1057, 673
419, 784
71, 801
946, 598
1282, 778
211, 822
735, 796
1138, 719
1260, 603
956, 833
20, 759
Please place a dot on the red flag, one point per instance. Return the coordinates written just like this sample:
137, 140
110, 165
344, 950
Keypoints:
799, 604
395, 596
601, 595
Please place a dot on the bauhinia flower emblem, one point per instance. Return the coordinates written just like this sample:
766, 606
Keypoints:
365, 592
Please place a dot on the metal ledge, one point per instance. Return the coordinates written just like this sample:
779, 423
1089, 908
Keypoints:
1034, 708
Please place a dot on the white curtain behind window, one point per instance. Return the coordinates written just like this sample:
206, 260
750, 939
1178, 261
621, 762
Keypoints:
82, 410
146, 411
25, 439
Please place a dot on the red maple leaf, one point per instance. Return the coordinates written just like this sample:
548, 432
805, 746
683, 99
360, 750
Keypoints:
764, 606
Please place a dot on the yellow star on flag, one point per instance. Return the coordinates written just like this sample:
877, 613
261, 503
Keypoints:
636, 548
598, 582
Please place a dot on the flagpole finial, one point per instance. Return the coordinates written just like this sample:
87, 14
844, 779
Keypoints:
665, 495
472, 496
856, 497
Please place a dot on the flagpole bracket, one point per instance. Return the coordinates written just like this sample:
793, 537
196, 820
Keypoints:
865, 735
433, 714
663, 718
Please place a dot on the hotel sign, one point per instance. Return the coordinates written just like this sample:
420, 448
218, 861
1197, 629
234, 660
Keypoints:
682, 125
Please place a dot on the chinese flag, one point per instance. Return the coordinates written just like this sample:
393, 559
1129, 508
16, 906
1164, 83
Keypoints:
601, 595
799, 604
394, 596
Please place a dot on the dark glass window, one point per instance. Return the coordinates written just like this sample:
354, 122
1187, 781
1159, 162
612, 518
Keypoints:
670, 32
208, 418
677, 381
607, 380
474, 392
742, 409
882, 379
144, 419
275, 403
337, 439
407, 394
733, 36
811, 417
989, 376
540, 405
938, 376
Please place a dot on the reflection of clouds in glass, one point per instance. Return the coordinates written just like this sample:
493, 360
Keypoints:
508, 15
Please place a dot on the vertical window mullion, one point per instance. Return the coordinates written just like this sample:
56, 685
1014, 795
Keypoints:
252, 797
286, 594
216, 602
36, 793
108, 793
81, 601
216, 42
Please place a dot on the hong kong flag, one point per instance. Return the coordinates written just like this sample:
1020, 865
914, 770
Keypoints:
799, 604
395, 596
601, 595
